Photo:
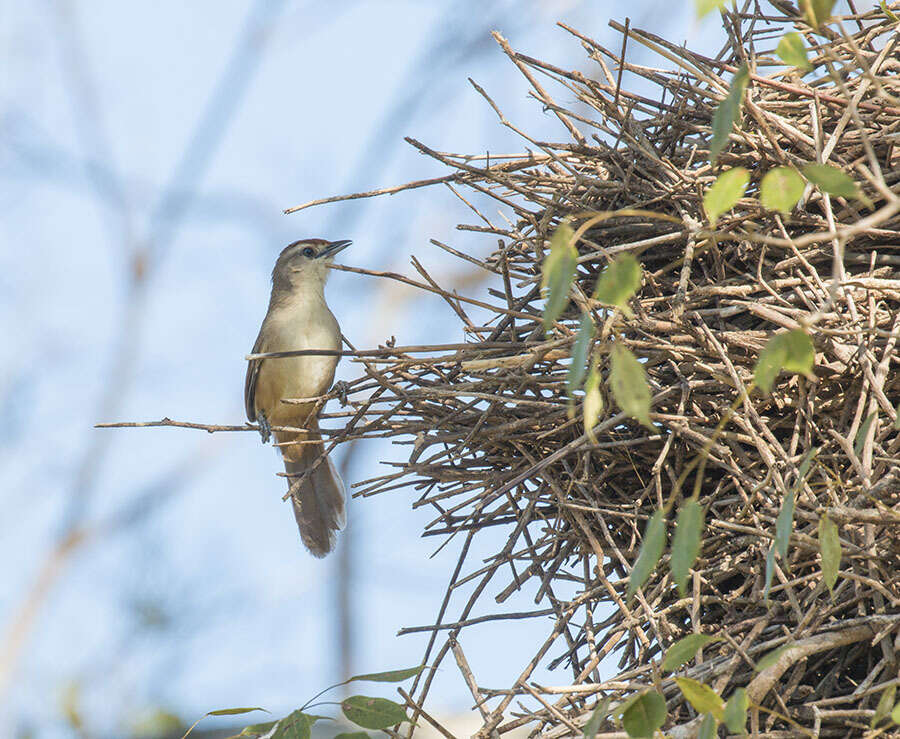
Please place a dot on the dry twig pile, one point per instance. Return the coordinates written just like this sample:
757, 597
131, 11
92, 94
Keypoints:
494, 447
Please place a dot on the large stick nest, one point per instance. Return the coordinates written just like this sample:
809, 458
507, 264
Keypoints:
497, 454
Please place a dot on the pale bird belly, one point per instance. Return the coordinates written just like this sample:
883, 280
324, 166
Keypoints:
296, 377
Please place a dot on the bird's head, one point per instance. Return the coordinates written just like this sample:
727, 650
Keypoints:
305, 263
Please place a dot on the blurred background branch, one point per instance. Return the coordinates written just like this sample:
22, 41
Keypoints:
147, 154
143, 255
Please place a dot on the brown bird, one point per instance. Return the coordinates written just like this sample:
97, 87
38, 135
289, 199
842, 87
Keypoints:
299, 318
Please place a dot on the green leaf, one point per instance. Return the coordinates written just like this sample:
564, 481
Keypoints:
625, 705
781, 189
792, 51
297, 725
771, 658
352, 735
735, 715
391, 676
593, 401
728, 112
628, 383
686, 542
830, 549
619, 282
373, 713
800, 352
222, 712
792, 351
770, 570
769, 364
684, 650
645, 715
863, 432
885, 704
652, 546
804, 465
257, 730
597, 717
891, 17
725, 192
817, 12
704, 7
578, 367
895, 714
702, 697
831, 180
557, 273
708, 727
783, 525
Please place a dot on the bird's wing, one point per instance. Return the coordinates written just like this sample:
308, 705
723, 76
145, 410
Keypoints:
250, 382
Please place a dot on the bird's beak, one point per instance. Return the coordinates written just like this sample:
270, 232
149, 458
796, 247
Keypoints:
334, 247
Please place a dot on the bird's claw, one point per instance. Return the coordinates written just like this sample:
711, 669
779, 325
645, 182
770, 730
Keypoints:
265, 430
341, 388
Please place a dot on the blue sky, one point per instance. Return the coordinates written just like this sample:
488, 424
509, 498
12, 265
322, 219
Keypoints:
206, 599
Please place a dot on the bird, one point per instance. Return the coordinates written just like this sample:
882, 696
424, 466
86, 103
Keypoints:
299, 318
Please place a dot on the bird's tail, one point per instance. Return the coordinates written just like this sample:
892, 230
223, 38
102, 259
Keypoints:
319, 502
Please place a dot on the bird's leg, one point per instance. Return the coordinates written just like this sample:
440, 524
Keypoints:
265, 430
341, 388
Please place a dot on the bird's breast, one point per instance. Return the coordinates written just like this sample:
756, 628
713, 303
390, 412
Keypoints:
296, 326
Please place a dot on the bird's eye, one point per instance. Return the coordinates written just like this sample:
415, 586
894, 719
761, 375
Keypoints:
309, 252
